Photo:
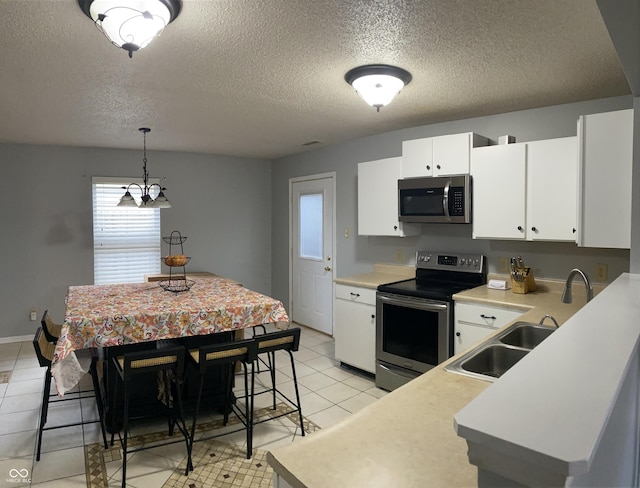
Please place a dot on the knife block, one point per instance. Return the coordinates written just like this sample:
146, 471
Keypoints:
526, 286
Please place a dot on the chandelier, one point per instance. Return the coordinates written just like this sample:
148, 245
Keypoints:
378, 84
147, 200
131, 24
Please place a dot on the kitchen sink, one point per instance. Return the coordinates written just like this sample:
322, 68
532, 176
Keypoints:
526, 334
493, 360
493, 357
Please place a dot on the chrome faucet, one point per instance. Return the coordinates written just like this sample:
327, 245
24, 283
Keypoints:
549, 317
566, 295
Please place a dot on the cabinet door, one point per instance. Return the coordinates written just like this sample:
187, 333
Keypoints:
499, 191
451, 154
355, 334
605, 145
417, 158
552, 166
378, 199
467, 335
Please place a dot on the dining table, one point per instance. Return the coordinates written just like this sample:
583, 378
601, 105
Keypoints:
100, 317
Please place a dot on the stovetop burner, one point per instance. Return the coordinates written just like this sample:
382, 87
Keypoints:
439, 276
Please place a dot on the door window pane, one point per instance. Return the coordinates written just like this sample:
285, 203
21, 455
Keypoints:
310, 226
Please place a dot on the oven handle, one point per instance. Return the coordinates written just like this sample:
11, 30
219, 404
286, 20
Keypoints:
412, 302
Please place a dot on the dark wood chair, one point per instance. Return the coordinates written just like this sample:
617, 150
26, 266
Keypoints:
225, 355
44, 351
50, 328
163, 360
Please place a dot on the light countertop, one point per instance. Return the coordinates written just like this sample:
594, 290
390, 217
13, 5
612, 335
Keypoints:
407, 438
382, 273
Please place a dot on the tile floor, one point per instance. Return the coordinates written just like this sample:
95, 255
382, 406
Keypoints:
328, 392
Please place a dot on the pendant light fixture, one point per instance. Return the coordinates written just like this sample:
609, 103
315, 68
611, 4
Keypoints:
147, 200
378, 84
131, 24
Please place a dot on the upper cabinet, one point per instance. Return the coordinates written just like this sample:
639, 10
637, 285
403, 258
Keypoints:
605, 145
439, 156
378, 199
525, 191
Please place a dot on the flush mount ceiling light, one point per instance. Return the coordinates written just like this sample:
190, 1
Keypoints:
131, 24
147, 200
378, 84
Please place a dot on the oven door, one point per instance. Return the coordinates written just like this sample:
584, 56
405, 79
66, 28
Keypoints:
412, 333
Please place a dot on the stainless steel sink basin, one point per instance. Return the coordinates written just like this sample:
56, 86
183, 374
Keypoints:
526, 334
493, 360
493, 357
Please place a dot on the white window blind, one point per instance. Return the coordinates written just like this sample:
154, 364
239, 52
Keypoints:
126, 241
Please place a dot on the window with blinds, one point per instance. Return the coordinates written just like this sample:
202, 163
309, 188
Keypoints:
126, 241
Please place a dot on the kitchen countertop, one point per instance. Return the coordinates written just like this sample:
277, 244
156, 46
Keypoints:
407, 438
382, 273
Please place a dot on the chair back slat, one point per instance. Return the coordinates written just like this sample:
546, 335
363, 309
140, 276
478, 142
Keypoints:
223, 353
44, 349
51, 330
286, 340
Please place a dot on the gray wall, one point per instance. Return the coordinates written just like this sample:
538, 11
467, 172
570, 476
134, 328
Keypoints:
357, 254
220, 203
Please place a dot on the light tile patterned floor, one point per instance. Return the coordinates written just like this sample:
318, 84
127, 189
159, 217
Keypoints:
328, 392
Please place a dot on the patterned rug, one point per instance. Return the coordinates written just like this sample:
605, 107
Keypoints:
217, 464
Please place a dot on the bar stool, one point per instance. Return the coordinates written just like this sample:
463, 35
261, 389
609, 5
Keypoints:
44, 351
268, 343
51, 329
132, 365
225, 354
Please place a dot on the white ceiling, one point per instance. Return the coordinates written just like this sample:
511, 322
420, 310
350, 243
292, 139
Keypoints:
260, 78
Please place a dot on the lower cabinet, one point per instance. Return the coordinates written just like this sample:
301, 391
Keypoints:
355, 326
474, 322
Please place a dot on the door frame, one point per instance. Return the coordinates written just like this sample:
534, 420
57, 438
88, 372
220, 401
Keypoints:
299, 179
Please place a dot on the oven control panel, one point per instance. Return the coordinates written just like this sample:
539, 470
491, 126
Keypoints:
473, 263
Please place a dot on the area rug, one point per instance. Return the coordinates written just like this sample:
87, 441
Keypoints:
217, 464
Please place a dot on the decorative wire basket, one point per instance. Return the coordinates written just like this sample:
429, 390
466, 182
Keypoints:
177, 285
175, 238
180, 260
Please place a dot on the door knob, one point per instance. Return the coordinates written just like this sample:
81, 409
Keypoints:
327, 268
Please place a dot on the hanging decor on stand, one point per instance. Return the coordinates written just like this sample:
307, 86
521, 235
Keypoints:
147, 201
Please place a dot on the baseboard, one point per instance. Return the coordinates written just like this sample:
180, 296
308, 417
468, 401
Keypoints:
8, 340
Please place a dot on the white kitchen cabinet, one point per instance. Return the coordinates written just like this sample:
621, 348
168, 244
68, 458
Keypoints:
605, 147
499, 182
355, 326
378, 199
439, 156
552, 192
525, 190
475, 322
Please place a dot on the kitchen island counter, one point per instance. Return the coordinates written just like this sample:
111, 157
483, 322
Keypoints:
407, 438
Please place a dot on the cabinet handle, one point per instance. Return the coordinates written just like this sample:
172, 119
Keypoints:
574, 230
534, 229
355, 294
428, 167
487, 316
457, 334
520, 228
373, 316
395, 227
438, 166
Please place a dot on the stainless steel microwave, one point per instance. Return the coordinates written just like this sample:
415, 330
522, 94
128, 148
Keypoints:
443, 199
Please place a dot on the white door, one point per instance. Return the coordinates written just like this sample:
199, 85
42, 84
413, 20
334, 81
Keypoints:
312, 239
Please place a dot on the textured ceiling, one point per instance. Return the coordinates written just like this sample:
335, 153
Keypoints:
260, 78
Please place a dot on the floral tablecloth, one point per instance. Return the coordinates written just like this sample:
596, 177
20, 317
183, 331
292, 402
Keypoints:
114, 315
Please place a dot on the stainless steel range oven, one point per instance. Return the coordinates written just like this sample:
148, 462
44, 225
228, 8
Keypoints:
414, 318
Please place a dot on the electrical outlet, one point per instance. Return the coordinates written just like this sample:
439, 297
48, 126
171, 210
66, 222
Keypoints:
399, 256
601, 272
503, 266
346, 232
33, 315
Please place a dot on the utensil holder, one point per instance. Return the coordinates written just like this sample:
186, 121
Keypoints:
528, 284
